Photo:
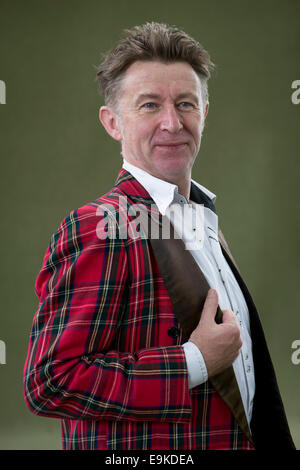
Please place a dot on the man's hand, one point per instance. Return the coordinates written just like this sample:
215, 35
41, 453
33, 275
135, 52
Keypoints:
219, 343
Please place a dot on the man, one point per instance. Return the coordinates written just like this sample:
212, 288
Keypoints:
151, 342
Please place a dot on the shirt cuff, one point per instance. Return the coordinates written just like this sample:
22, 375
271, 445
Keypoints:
197, 372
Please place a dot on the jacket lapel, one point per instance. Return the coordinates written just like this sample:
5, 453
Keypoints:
186, 286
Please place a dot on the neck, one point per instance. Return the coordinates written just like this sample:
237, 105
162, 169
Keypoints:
182, 181
184, 187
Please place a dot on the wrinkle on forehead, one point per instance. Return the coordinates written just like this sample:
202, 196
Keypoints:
177, 77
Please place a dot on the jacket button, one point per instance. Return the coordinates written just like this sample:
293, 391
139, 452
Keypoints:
173, 332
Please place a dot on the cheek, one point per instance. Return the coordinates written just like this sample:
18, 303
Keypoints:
196, 131
143, 132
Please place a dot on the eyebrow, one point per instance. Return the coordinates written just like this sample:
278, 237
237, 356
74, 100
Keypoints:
188, 95
147, 96
155, 96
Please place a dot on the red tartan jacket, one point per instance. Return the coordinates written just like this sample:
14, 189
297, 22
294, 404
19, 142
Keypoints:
102, 355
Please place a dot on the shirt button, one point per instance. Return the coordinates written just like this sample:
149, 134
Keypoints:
173, 332
246, 357
248, 369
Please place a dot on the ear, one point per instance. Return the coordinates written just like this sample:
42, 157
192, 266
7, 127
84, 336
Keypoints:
110, 122
206, 110
205, 114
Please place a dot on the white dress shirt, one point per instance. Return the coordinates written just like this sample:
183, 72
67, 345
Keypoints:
198, 227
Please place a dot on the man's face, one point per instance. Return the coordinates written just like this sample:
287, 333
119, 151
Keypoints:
161, 118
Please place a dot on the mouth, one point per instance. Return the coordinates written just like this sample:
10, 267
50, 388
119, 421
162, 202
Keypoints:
172, 145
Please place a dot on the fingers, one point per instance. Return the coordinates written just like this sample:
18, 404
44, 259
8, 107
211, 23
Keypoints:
228, 316
219, 343
210, 306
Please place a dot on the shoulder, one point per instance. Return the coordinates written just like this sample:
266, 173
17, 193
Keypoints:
99, 218
88, 214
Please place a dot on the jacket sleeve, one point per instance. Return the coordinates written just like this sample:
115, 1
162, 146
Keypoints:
71, 369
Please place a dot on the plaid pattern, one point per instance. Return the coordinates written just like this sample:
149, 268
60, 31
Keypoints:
100, 357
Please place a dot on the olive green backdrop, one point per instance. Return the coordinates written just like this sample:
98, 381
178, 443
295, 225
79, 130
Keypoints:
55, 157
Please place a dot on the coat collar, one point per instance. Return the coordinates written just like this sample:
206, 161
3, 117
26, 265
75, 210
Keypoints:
164, 192
129, 185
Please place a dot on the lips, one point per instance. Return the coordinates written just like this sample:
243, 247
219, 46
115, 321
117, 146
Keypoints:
170, 144
171, 149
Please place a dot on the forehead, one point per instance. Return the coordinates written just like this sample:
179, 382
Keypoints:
159, 77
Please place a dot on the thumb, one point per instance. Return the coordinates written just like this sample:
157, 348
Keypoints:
210, 306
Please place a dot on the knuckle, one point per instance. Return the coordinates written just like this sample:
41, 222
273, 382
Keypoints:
236, 333
228, 313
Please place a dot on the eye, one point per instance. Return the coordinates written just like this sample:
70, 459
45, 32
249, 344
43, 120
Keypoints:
149, 105
185, 105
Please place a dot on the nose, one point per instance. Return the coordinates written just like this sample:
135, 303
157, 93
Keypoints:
170, 120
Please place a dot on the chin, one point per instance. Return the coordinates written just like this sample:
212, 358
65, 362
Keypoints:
175, 170
171, 175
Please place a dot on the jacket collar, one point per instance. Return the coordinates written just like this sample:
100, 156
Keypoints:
129, 185
164, 193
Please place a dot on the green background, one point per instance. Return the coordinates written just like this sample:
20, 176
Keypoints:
55, 157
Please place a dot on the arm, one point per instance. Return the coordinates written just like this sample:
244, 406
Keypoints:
72, 370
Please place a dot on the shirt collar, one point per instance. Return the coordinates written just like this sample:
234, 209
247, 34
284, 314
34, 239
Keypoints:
162, 192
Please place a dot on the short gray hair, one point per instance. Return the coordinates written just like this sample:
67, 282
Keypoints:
151, 41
